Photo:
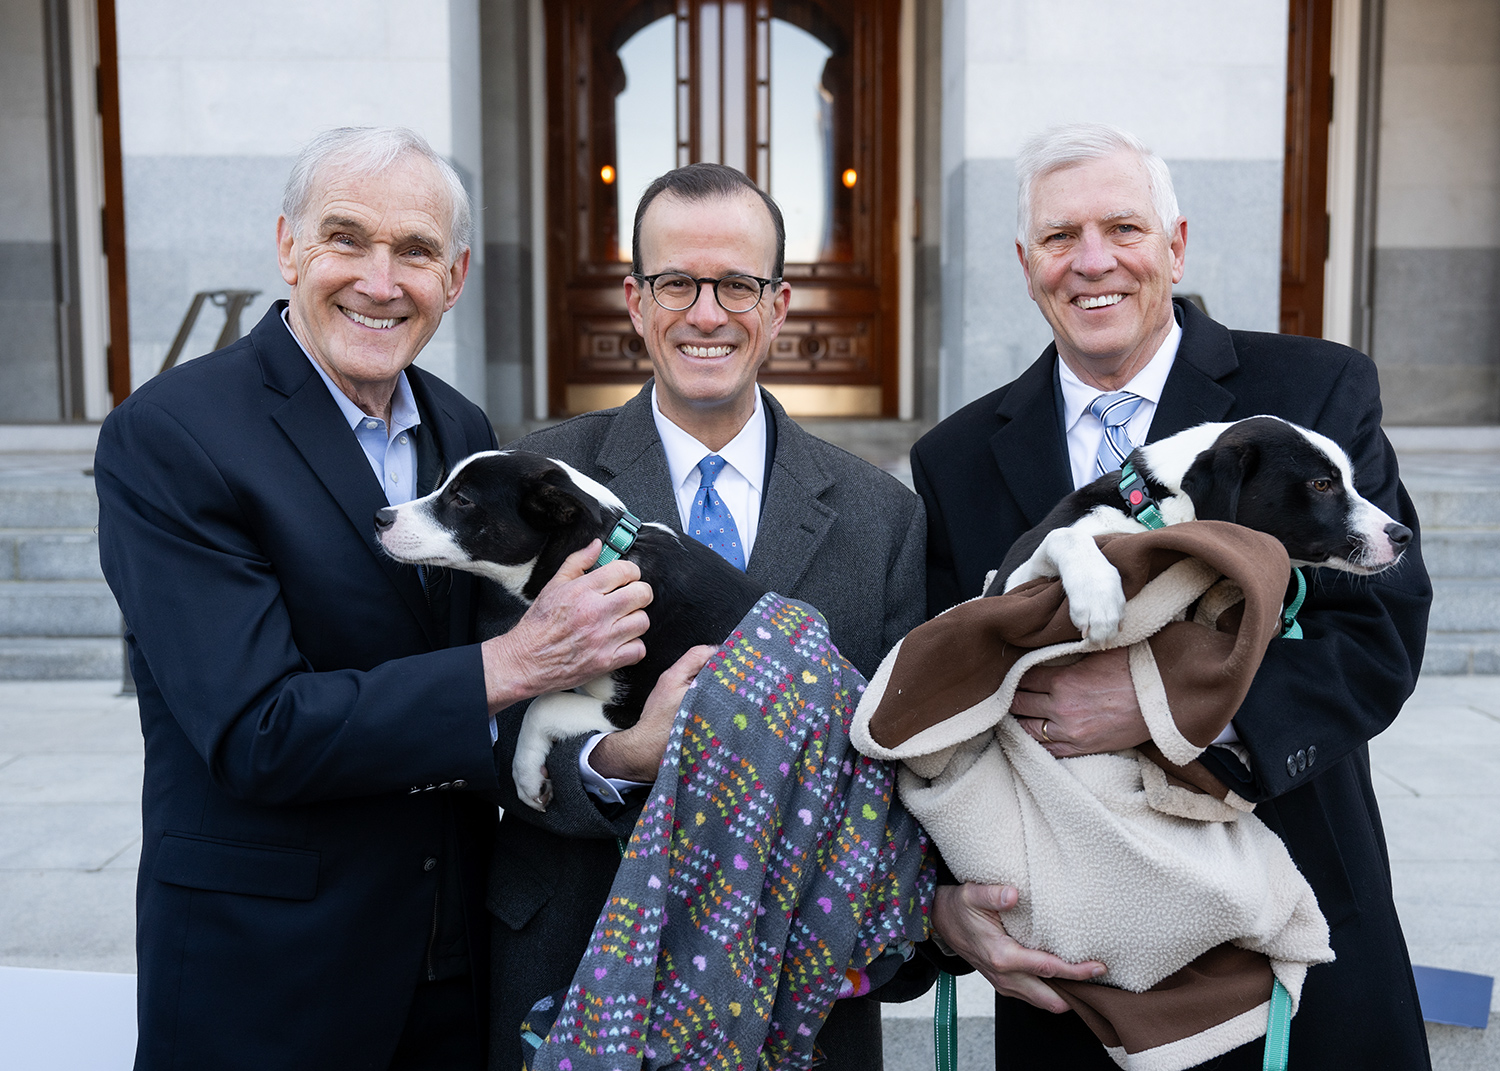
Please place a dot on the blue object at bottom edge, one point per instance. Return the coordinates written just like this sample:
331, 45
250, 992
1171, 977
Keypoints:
1456, 998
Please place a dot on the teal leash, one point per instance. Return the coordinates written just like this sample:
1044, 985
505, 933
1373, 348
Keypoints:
1278, 1028
1291, 628
945, 1024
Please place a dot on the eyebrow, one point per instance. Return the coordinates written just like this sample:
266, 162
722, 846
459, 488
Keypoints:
1108, 217
348, 223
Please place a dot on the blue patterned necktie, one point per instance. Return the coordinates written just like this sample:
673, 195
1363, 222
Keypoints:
1114, 410
709, 521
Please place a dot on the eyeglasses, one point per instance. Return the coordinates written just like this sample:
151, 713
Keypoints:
675, 291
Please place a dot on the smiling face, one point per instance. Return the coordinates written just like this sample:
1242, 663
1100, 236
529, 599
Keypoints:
706, 359
1100, 267
370, 275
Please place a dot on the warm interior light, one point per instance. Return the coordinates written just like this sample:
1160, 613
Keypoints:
850, 178
607, 173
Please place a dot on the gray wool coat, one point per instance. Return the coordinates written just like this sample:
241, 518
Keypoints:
835, 532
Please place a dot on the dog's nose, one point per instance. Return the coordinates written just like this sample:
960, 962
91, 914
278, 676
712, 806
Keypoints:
385, 517
1398, 534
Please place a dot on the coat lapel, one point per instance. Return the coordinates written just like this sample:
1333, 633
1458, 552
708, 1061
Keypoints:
312, 421
632, 456
1192, 394
1029, 446
794, 522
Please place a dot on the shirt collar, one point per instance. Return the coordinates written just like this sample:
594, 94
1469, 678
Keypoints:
404, 413
1149, 382
745, 453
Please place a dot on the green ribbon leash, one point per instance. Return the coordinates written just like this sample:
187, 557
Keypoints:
945, 1024
1278, 1028
1291, 628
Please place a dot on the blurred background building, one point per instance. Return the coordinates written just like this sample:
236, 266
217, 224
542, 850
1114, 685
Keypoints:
1338, 162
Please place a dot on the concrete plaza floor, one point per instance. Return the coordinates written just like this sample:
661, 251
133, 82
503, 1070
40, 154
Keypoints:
70, 776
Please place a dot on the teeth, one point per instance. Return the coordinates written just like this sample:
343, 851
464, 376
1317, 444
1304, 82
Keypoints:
1099, 302
368, 322
706, 351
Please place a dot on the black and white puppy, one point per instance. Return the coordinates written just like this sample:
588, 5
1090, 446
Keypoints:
513, 517
1261, 472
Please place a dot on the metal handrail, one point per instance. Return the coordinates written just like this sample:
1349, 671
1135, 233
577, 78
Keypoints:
233, 303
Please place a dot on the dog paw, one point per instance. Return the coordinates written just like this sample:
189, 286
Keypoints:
533, 786
1096, 614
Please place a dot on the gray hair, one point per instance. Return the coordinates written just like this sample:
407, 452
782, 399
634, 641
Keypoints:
1076, 143
369, 150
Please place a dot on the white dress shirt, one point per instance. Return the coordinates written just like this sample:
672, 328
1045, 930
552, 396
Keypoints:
739, 482
1086, 431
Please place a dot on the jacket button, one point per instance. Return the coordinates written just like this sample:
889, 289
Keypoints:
1301, 761
1291, 765
429, 864
445, 786
1312, 755
460, 783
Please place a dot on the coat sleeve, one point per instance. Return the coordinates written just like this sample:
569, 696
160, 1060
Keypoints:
1327, 694
906, 586
942, 575
214, 641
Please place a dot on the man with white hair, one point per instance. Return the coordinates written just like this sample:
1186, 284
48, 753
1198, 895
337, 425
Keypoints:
1101, 241
318, 719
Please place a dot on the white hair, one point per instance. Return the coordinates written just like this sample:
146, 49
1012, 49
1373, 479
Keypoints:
1076, 143
369, 150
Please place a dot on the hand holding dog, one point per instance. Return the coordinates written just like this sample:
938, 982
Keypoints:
968, 918
635, 754
1084, 708
581, 626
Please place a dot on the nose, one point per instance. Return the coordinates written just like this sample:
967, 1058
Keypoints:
1093, 256
378, 280
385, 516
706, 313
1398, 534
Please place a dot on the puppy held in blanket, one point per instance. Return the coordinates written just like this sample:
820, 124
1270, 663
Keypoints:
513, 517
1140, 859
1261, 472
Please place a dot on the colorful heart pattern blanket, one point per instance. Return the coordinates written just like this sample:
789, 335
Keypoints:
772, 870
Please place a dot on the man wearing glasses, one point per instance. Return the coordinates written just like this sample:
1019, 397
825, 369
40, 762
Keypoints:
702, 449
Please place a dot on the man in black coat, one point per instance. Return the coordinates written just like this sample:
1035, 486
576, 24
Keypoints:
1101, 241
318, 719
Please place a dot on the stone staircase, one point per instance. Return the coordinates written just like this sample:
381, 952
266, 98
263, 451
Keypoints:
1453, 475
58, 619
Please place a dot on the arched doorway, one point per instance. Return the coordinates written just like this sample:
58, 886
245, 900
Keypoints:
801, 96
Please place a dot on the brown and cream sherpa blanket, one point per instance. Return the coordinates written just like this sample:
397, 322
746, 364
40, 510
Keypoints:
1140, 859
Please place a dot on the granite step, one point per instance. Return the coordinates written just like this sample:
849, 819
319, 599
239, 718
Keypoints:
57, 608
43, 554
56, 658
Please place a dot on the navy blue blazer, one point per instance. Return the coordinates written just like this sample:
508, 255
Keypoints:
313, 744
993, 470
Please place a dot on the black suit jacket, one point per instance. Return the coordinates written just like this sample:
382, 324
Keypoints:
311, 740
995, 468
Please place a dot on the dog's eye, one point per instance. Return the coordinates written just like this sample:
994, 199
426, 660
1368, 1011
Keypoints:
1322, 486
460, 501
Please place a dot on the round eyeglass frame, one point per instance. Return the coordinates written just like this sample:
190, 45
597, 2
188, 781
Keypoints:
649, 281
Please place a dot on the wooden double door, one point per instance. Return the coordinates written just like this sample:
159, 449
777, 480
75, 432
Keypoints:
801, 95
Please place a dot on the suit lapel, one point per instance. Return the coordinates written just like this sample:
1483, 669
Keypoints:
312, 421
1192, 394
793, 521
636, 464
1029, 446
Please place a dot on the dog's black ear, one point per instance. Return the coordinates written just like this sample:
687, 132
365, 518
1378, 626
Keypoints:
1214, 479
551, 500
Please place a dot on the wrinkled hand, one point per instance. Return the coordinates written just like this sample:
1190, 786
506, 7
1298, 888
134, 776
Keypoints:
1082, 709
581, 626
635, 754
968, 918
